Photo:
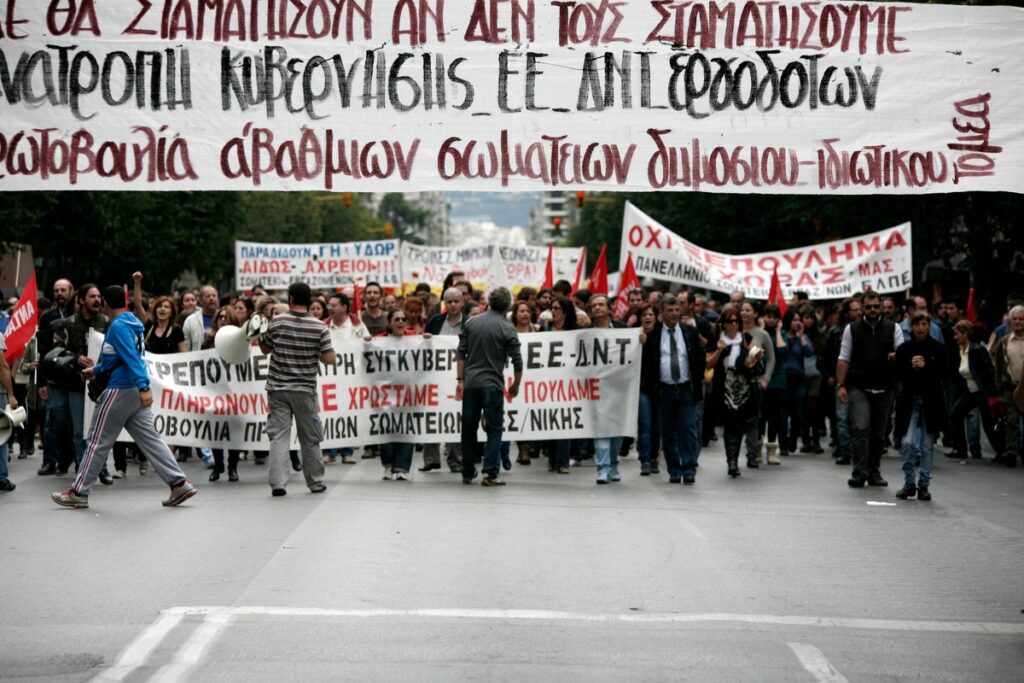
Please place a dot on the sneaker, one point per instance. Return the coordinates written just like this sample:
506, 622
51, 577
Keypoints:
655, 469
492, 480
674, 479
573, 462
70, 499
348, 460
401, 476
388, 474
613, 475
908, 491
318, 487
143, 468
602, 477
6, 486
330, 460
645, 469
120, 474
180, 493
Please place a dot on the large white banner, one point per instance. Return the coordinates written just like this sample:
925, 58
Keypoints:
322, 266
582, 384
720, 95
880, 261
524, 266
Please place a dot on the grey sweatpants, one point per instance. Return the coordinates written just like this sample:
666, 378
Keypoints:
121, 409
453, 454
284, 405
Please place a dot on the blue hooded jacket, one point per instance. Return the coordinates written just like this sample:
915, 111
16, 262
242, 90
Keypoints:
122, 353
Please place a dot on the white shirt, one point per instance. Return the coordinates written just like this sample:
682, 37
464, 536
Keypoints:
346, 331
666, 355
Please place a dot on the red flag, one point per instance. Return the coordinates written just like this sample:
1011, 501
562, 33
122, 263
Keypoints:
627, 283
356, 306
972, 314
549, 270
579, 268
599, 276
24, 320
775, 295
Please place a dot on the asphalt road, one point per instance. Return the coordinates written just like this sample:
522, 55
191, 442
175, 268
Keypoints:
782, 575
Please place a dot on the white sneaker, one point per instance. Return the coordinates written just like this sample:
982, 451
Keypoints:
573, 462
388, 474
120, 474
401, 476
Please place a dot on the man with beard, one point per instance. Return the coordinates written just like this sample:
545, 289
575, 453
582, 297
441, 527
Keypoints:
53, 438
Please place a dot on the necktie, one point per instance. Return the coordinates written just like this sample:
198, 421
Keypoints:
673, 348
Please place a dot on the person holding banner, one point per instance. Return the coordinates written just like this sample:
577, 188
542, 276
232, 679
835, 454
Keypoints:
562, 319
674, 360
374, 317
606, 450
487, 342
124, 404
298, 343
449, 323
343, 327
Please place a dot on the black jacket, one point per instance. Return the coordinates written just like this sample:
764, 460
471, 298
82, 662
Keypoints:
435, 322
981, 369
650, 361
925, 383
73, 334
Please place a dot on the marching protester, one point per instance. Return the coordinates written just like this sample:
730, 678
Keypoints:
373, 316
298, 343
975, 377
648, 435
1008, 354
197, 326
125, 403
56, 428
448, 323
738, 361
606, 449
225, 317
800, 351
522, 318
344, 327
919, 366
562, 319
748, 313
864, 378
487, 342
849, 312
773, 405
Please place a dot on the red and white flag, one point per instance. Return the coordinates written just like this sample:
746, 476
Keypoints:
599, 276
627, 283
24, 320
579, 269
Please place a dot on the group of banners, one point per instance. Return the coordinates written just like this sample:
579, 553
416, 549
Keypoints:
743, 96
581, 384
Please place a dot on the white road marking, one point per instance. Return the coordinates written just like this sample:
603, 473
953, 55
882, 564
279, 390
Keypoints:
136, 654
816, 663
191, 652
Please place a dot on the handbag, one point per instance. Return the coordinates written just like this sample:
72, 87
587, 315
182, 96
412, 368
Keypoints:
97, 385
59, 365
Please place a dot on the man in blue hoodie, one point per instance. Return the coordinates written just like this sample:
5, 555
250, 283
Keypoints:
124, 404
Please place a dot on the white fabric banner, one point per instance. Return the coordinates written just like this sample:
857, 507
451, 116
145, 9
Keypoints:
321, 266
582, 384
881, 261
723, 96
524, 266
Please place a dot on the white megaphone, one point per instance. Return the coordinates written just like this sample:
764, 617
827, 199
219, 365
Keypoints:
232, 343
11, 420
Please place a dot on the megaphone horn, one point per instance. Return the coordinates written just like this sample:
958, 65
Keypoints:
231, 344
11, 420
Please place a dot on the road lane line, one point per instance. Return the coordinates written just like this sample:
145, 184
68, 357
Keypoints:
989, 628
816, 663
138, 651
191, 652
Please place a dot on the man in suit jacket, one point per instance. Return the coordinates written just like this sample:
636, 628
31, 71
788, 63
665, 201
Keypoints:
673, 360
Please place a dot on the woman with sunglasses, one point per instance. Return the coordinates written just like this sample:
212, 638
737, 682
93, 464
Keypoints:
738, 364
397, 457
225, 317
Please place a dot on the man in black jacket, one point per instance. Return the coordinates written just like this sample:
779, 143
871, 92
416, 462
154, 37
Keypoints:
449, 322
673, 360
864, 378
54, 437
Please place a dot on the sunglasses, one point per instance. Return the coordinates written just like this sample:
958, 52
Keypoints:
872, 307
398, 320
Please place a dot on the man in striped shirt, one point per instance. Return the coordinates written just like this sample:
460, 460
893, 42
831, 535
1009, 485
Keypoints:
297, 343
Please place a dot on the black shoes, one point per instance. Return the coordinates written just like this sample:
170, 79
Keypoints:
752, 464
277, 493
105, 477
506, 463
689, 479
432, 466
645, 469
48, 468
734, 469
908, 491
296, 463
232, 473
876, 480
467, 478
856, 482
843, 461
956, 455
674, 479
924, 494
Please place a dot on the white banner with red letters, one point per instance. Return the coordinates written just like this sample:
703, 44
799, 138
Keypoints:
524, 266
582, 384
881, 261
321, 266
751, 96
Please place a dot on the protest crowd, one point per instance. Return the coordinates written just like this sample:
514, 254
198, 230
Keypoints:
772, 380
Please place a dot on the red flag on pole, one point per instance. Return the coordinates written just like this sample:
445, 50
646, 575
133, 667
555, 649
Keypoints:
972, 313
579, 269
24, 319
549, 269
775, 295
599, 276
356, 304
628, 281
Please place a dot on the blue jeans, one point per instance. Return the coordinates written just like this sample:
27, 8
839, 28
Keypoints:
842, 427
917, 447
680, 440
397, 456
606, 454
489, 403
68, 408
647, 428
4, 449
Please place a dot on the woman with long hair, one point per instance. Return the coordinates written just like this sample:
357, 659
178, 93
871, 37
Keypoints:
814, 419
975, 375
397, 457
186, 305
414, 321
162, 333
522, 319
318, 308
563, 319
244, 309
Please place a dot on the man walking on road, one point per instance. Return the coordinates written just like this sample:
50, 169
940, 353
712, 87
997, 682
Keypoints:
1008, 356
450, 322
486, 343
124, 404
298, 343
864, 378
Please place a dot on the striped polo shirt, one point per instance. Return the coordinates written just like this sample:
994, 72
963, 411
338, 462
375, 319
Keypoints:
296, 341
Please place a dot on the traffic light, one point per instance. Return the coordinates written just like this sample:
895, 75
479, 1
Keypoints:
347, 198
556, 225
581, 199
